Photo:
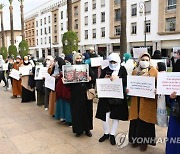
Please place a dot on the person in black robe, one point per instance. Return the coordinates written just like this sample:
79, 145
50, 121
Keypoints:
81, 107
114, 108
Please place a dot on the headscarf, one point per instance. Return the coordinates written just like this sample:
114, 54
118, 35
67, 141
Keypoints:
140, 71
75, 56
157, 54
115, 57
60, 61
126, 57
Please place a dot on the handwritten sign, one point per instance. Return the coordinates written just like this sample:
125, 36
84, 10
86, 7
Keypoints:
168, 82
141, 86
109, 89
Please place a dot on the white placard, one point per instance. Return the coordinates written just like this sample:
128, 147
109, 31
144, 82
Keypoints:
168, 82
138, 51
50, 82
155, 61
142, 86
104, 63
95, 62
5, 67
109, 89
40, 72
25, 70
15, 74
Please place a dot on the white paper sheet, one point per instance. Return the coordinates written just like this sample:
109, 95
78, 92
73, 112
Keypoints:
168, 82
50, 82
95, 62
109, 89
15, 74
141, 86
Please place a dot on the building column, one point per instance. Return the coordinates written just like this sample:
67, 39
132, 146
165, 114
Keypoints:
96, 48
109, 48
40, 52
82, 49
128, 47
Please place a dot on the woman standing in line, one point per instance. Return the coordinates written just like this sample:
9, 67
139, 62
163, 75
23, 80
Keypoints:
81, 107
173, 133
106, 107
142, 113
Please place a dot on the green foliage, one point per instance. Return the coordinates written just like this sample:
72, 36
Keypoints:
12, 50
3, 52
70, 42
23, 48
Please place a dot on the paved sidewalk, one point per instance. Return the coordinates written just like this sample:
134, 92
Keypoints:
27, 128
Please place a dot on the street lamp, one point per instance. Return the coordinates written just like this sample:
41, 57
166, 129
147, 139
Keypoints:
142, 7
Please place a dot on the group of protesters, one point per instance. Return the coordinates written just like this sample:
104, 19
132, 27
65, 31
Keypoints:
69, 102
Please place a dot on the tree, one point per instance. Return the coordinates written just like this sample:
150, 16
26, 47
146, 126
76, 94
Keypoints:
69, 12
11, 21
2, 24
12, 50
22, 18
23, 48
123, 37
3, 52
70, 42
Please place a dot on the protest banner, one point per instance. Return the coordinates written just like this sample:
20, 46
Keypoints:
109, 89
168, 82
40, 72
142, 86
95, 62
138, 51
5, 67
25, 70
50, 82
104, 63
75, 73
15, 74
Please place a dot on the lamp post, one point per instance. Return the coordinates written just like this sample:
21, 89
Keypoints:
142, 7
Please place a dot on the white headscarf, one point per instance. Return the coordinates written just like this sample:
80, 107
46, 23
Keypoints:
115, 57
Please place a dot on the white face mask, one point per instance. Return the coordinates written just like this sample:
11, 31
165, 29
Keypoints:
144, 64
48, 63
113, 66
26, 61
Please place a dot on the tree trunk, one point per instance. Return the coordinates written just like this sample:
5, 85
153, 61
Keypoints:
22, 21
123, 38
69, 12
11, 24
2, 29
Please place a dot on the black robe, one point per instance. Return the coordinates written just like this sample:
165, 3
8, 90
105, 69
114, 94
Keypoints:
81, 108
117, 111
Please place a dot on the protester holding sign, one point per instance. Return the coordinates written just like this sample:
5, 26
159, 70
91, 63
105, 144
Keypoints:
114, 108
17, 88
142, 113
174, 121
81, 107
28, 92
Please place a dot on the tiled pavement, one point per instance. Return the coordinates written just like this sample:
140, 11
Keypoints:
27, 128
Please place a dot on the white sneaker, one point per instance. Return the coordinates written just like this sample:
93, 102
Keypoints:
46, 109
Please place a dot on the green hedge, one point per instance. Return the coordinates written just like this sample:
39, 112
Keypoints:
23, 48
70, 42
12, 50
3, 52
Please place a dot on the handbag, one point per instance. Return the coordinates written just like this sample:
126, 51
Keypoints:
176, 109
162, 117
91, 94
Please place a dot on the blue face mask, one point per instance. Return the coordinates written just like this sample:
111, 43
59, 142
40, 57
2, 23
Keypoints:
113, 66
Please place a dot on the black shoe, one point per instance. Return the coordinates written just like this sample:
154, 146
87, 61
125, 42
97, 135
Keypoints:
112, 140
88, 133
14, 96
143, 147
78, 134
104, 137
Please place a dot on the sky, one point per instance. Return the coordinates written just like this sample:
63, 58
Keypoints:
28, 6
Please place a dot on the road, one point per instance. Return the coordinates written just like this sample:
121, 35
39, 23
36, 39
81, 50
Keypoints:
26, 128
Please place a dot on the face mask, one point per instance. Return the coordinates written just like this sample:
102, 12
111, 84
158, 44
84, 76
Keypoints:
113, 66
144, 64
78, 62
